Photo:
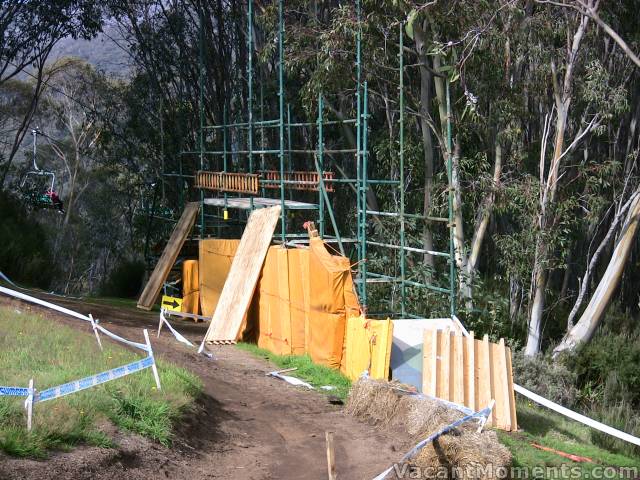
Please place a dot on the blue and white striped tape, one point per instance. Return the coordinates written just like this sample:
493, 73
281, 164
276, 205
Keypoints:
415, 450
92, 381
14, 392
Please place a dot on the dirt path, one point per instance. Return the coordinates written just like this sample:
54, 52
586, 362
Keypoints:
247, 426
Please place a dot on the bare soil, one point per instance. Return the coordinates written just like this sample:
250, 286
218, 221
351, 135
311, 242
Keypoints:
245, 426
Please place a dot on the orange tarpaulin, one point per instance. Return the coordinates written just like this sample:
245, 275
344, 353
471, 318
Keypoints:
281, 308
190, 287
331, 300
216, 256
301, 303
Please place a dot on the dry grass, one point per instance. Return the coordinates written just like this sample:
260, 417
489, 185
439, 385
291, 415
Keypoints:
382, 404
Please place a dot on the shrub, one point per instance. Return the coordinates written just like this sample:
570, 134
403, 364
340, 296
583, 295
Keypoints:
612, 361
623, 417
125, 280
552, 380
25, 255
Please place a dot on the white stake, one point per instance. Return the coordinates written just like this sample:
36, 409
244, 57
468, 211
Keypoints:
484, 419
160, 322
95, 330
154, 369
29, 405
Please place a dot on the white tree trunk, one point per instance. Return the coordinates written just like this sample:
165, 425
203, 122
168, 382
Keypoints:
583, 331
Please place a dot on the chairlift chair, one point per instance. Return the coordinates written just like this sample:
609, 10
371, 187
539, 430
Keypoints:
31, 189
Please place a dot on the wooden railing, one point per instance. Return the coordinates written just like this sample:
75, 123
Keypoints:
228, 182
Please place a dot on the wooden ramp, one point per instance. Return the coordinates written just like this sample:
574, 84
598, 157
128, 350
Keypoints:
169, 256
243, 276
470, 372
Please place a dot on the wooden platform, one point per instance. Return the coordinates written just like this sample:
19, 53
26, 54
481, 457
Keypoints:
259, 202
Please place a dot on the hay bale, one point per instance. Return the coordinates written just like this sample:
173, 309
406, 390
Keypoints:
462, 452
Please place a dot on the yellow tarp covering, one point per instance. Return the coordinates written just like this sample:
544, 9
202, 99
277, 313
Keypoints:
301, 303
331, 301
216, 256
190, 287
367, 347
282, 304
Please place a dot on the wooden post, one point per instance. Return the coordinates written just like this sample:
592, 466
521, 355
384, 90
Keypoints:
95, 330
29, 405
331, 460
154, 369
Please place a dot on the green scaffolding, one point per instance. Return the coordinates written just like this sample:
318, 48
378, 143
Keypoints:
362, 238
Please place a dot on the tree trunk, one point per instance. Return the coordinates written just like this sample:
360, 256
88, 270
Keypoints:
583, 331
427, 139
538, 287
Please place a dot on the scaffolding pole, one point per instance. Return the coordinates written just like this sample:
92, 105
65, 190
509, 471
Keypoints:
283, 214
250, 86
403, 259
201, 115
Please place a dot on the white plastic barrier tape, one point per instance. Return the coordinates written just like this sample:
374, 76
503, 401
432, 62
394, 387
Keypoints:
176, 334
292, 380
88, 382
118, 338
576, 416
66, 311
37, 301
173, 313
482, 414
6, 279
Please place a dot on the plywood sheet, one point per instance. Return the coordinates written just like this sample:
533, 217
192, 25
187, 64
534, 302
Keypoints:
243, 276
169, 256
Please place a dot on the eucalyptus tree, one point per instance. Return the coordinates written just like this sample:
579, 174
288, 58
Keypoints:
30, 29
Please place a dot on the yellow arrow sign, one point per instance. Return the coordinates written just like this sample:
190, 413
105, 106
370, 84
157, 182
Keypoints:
172, 303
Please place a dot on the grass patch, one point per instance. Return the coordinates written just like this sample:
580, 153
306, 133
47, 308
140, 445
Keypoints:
127, 303
31, 346
316, 375
549, 429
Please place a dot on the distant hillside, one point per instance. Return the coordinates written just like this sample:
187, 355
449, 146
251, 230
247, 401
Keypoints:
102, 52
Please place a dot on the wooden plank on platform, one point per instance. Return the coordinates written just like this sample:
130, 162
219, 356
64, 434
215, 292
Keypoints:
169, 256
457, 371
470, 373
243, 276
500, 386
512, 394
427, 361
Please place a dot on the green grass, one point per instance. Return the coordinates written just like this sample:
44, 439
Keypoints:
549, 429
316, 375
128, 303
51, 354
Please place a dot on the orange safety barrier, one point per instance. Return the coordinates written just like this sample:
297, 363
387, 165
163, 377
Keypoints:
190, 287
299, 180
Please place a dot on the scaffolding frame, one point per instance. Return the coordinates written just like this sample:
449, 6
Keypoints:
361, 184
